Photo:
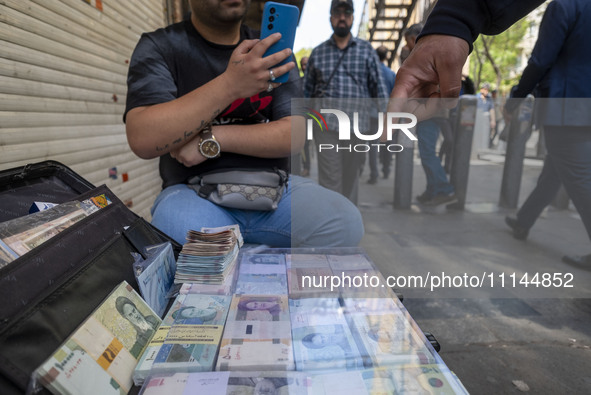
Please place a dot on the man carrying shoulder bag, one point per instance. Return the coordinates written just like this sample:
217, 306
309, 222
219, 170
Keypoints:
203, 99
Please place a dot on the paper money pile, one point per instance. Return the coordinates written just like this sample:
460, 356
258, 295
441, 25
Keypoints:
208, 257
322, 339
100, 356
257, 335
200, 318
262, 274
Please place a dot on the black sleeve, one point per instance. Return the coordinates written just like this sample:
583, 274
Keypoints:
282, 96
149, 79
551, 38
468, 18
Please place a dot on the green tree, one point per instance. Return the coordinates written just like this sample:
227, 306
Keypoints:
496, 58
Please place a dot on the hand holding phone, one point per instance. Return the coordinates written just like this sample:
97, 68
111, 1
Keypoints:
280, 18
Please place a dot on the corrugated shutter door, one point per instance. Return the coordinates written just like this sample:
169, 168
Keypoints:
63, 70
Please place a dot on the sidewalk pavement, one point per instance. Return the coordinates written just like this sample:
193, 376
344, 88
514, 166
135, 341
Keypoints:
499, 341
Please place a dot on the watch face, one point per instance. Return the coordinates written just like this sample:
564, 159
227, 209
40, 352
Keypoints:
210, 148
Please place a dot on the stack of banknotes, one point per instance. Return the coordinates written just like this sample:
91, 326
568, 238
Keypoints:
225, 383
20, 235
188, 338
257, 334
208, 257
384, 332
322, 339
262, 274
100, 356
405, 379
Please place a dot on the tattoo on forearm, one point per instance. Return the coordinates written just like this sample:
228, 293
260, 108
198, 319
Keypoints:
187, 135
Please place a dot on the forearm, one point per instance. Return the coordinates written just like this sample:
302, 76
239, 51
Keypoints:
466, 19
276, 139
155, 130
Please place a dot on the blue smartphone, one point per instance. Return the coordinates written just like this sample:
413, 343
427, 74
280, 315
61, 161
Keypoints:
282, 18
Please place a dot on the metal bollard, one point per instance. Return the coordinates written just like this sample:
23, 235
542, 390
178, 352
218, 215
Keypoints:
519, 133
460, 164
403, 173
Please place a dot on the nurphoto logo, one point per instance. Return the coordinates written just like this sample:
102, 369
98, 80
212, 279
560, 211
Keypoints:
393, 120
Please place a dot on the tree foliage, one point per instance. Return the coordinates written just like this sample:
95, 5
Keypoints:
495, 59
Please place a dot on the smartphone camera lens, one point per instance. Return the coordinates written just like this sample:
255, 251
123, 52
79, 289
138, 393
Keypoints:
270, 26
272, 10
271, 18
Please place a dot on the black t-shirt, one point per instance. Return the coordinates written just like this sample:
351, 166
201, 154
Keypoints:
171, 62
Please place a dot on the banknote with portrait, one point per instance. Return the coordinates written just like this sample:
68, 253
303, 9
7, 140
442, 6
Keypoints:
101, 355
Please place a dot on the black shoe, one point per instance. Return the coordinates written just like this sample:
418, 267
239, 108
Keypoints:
423, 197
386, 175
579, 260
519, 232
440, 199
372, 180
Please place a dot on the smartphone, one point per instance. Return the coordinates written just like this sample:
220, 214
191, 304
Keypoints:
282, 18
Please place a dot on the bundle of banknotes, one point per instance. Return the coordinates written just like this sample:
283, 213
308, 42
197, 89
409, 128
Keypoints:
384, 332
305, 274
100, 356
20, 235
228, 383
257, 334
262, 274
321, 336
404, 379
208, 257
188, 338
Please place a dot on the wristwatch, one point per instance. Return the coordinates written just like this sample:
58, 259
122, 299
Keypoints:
208, 145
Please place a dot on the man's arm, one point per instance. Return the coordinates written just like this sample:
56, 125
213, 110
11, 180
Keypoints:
269, 140
553, 32
434, 67
551, 37
466, 19
161, 128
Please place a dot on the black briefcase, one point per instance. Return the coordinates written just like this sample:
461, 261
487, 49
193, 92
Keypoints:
46, 293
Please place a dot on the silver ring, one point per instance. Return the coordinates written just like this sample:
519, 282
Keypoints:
270, 87
271, 75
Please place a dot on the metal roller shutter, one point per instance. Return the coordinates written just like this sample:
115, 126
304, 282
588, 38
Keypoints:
63, 69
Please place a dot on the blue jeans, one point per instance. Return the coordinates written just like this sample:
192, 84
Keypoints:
308, 215
568, 162
437, 183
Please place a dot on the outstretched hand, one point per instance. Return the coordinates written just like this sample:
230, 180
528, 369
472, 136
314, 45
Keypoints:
433, 70
248, 71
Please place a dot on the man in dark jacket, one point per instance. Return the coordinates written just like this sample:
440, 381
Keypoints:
560, 67
433, 70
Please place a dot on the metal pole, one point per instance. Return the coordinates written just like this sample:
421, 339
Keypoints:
403, 173
519, 133
464, 134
